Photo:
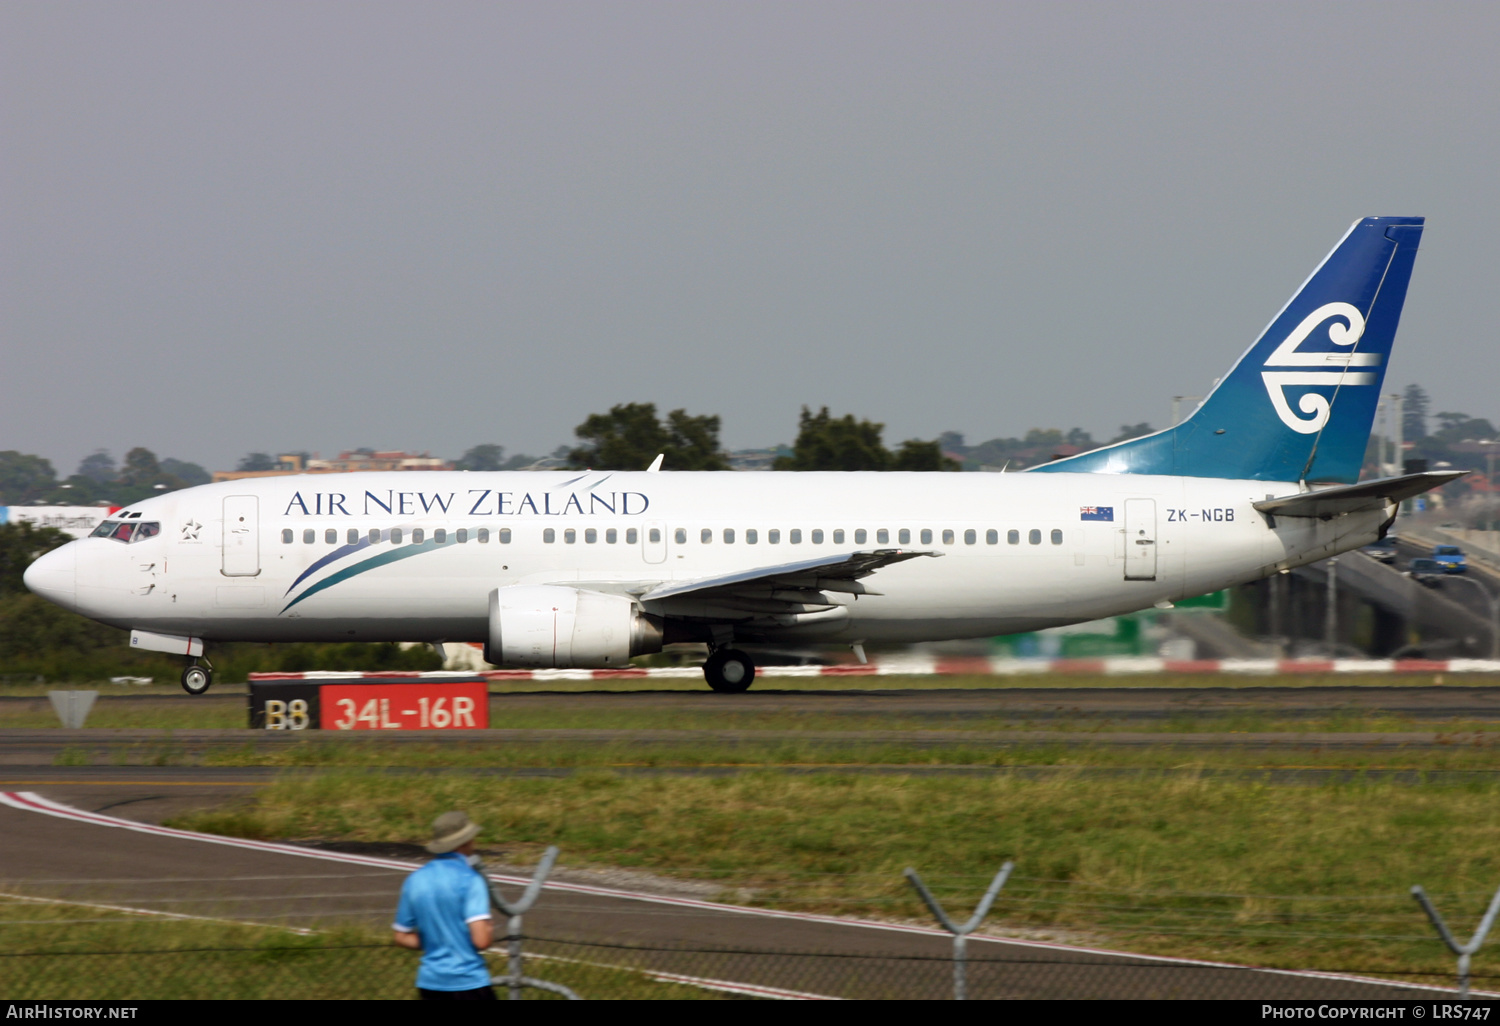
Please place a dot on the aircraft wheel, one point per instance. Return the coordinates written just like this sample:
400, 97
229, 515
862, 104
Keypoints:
196, 679
729, 671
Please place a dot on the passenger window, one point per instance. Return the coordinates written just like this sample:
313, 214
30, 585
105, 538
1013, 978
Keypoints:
728, 536
331, 536
751, 536
948, 537
1056, 537
926, 536
482, 536
1034, 537
795, 536
590, 536
461, 536
992, 537
903, 536
882, 537
395, 536
374, 535
970, 536
680, 536
417, 535
706, 535
817, 537
505, 536
570, 536
548, 536
860, 536
440, 536
773, 537
309, 536
611, 536
838, 537
286, 536
1012, 537
351, 537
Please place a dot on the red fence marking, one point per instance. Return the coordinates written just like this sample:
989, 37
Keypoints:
1191, 665
1305, 666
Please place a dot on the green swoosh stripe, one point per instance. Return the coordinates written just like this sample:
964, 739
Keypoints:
388, 556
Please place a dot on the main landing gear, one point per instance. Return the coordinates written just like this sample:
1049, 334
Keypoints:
196, 679
729, 670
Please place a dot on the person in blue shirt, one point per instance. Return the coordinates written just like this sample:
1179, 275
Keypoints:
445, 914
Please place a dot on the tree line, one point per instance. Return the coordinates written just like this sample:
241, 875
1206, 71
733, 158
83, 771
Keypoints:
27, 479
631, 435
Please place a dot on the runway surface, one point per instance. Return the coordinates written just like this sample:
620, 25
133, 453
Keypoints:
67, 852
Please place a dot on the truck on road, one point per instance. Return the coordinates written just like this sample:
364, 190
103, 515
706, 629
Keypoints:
1451, 558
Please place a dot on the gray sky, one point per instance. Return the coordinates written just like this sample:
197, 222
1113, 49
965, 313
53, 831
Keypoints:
266, 226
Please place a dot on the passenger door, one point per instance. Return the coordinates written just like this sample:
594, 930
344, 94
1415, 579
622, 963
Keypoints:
1140, 539
241, 536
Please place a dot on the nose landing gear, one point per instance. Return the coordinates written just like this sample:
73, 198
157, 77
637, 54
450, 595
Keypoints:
196, 679
728, 670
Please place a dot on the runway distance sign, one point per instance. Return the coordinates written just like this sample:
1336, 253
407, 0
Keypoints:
405, 707
362, 704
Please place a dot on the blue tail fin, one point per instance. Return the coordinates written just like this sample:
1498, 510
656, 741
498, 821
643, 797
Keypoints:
1299, 404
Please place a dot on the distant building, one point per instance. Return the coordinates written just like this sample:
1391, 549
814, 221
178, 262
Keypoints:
756, 459
78, 521
346, 462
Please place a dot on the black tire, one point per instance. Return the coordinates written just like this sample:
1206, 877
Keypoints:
196, 679
729, 671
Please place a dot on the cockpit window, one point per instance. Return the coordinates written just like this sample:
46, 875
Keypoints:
122, 532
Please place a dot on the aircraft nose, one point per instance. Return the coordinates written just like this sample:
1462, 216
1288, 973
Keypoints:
55, 576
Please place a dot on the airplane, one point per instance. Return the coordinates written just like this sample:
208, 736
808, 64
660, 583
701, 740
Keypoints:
576, 569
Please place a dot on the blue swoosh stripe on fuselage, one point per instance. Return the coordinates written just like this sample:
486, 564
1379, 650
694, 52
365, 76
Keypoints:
389, 556
337, 553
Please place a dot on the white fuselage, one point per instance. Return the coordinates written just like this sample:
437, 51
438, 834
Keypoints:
240, 560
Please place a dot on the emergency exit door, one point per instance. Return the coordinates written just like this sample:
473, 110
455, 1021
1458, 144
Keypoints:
241, 536
1140, 539
654, 541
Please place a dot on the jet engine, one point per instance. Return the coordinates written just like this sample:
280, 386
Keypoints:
548, 626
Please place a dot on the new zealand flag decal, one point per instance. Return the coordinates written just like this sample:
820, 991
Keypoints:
1096, 513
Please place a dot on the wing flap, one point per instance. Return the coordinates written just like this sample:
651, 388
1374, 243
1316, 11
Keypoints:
837, 573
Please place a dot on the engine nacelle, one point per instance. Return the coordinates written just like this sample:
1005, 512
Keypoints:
547, 626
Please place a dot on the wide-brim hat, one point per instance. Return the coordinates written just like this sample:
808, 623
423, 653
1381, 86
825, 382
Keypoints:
450, 831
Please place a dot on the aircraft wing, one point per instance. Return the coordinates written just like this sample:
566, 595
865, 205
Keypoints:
1356, 498
832, 573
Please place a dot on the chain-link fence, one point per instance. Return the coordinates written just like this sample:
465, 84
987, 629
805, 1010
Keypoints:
313, 968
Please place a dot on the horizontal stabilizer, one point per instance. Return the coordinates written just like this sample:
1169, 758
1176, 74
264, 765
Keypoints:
848, 567
1356, 498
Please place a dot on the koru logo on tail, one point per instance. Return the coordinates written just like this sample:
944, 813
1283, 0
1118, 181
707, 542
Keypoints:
1326, 369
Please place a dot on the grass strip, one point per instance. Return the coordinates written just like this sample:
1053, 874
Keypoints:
58, 951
